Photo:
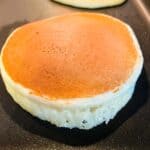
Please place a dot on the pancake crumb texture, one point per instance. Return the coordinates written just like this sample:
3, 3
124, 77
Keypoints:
60, 71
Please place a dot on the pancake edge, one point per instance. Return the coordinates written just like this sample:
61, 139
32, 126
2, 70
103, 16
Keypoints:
90, 4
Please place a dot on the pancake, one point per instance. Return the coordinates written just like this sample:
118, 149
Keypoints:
75, 71
91, 4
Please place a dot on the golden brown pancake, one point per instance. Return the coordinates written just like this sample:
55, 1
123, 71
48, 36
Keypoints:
75, 70
78, 55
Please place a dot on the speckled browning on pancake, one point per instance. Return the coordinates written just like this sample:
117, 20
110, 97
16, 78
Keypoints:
77, 55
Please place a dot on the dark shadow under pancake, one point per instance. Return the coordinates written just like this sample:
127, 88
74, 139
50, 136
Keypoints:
70, 136
75, 136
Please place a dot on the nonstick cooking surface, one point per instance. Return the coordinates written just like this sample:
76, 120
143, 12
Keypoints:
129, 130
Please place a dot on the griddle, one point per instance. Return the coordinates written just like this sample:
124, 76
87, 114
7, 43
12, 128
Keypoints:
131, 127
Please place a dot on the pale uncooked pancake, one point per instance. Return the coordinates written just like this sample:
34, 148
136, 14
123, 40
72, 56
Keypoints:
91, 4
76, 70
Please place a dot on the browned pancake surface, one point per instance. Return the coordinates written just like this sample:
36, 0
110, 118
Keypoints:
77, 55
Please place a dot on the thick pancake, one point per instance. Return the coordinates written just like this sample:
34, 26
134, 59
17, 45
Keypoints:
91, 4
71, 56
75, 71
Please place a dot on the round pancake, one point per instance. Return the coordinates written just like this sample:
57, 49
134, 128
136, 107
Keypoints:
62, 59
91, 4
72, 69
